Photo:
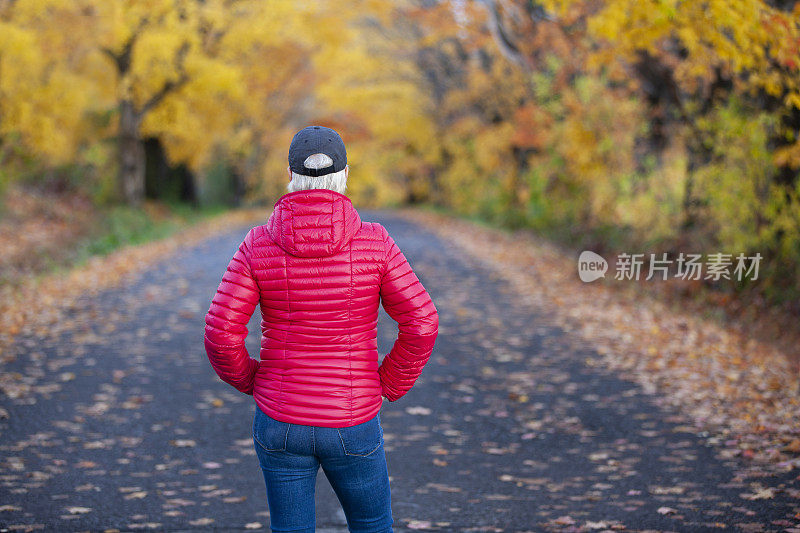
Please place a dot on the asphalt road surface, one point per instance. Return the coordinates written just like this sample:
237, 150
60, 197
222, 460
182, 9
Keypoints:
509, 429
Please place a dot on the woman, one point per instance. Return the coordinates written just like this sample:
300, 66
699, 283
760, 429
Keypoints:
319, 273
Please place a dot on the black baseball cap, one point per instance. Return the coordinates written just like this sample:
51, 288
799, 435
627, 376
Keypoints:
317, 140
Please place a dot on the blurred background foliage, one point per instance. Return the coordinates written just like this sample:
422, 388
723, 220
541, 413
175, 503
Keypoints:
637, 125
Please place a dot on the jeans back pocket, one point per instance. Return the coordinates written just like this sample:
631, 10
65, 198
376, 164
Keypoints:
362, 439
269, 433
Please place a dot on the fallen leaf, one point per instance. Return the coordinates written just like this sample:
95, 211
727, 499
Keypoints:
761, 494
9, 508
183, 443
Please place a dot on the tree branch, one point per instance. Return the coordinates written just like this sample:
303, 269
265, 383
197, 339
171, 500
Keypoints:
507, 48
123, 59
169, 86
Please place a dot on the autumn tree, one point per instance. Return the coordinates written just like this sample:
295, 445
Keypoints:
193, 74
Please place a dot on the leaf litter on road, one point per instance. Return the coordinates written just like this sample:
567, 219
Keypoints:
745, 393
475, 423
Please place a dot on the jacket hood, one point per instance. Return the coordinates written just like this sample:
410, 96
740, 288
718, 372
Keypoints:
313, 223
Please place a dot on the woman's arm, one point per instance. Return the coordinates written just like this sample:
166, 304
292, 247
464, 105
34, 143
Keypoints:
408, 303
227, 318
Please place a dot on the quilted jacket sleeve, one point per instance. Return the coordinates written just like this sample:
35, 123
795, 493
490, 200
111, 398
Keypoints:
408, 303
226, 322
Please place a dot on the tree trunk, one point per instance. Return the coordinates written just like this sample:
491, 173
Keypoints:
131, 155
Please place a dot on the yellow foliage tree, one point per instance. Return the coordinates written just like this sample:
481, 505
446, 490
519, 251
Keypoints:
701, 47
197, 75
372, 89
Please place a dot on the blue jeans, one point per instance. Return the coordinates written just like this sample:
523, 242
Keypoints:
352, 458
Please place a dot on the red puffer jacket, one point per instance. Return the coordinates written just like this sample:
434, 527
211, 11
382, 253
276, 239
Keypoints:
319, 273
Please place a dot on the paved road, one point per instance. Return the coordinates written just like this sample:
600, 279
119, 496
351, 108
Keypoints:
508, 429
